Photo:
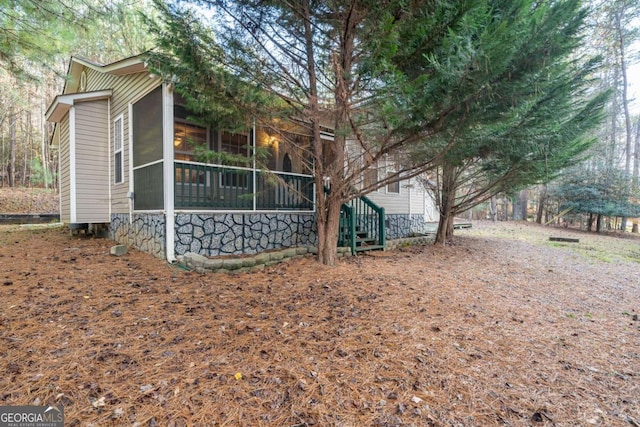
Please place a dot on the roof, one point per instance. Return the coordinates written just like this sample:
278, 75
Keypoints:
131, 65
62, 103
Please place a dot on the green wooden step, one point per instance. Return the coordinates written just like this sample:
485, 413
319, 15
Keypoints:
369, 248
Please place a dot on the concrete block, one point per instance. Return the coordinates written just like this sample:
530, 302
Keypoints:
289, 253
232, 263
248, 262
277, 256
213, 264
262, 258
118, 250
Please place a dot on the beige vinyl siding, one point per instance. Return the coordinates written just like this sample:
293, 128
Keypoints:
92, 162
417, 197
65, 183
125, 89
393, 203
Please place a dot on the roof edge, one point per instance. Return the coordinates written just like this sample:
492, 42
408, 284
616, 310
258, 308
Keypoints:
62, 103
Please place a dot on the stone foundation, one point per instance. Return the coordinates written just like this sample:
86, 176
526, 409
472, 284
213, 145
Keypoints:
146, 232
234, 234
214, 235
404, 225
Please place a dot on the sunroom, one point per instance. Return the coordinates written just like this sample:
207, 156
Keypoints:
213, 170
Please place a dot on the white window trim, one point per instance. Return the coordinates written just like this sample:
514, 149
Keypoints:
120, 150
392, 171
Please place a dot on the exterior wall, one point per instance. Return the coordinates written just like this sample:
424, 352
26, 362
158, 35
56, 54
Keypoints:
92, 162
404, 225
431, 210
146, 232
65, 181
416, 197
126, 89
230, 234
393, 203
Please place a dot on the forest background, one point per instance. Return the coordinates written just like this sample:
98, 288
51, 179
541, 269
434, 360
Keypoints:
37, 40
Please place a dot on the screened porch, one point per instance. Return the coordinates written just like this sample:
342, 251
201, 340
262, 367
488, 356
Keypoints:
205, 186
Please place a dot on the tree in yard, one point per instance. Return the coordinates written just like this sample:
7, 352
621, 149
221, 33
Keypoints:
324, 64
614, 32
36, 40
467, 85
598, 194
524, 102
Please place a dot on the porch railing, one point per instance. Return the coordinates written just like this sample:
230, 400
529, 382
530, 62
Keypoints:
216, 187
362, 225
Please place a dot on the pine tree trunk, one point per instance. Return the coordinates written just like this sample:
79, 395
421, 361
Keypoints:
636, 169
450, 226
493, 209
447, 200
541, 203
27, 149
11, 166
328, 240
524, 202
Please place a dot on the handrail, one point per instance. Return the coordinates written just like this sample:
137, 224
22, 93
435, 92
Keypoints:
362, 223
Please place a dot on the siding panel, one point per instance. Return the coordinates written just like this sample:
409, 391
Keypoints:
393, 203
125, 89
65, 184
92, 162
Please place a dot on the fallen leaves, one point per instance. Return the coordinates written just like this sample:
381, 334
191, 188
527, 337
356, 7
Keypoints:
474, 334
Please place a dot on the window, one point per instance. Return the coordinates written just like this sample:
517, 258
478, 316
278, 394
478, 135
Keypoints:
393, 187
186, 137
118, 156
236, 144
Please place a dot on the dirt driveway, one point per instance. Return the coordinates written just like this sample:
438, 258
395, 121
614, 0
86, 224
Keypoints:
501, 328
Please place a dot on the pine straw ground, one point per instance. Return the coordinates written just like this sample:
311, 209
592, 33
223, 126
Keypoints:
501, 328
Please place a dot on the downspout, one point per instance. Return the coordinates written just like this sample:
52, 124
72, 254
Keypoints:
168, 184
58, 125
109, 154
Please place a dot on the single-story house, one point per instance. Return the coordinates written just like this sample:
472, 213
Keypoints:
128, 164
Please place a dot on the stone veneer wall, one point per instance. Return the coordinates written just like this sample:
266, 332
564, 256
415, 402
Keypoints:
146, 232
231, 234
234, 234
404, 225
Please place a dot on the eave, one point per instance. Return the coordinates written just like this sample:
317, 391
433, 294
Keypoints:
62, 103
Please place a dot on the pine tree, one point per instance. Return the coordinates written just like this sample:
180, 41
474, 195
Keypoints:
523, 103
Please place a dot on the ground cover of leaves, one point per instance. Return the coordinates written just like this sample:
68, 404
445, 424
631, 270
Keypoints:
28, 201
499, 328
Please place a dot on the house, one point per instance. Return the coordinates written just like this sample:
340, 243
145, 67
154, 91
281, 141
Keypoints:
128, 164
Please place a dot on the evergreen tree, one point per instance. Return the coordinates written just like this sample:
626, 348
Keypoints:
323, 63
600, 193
483, 83
523, 103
